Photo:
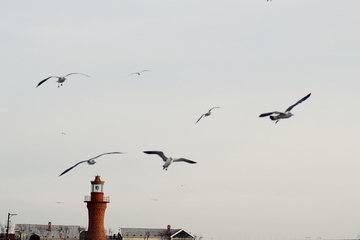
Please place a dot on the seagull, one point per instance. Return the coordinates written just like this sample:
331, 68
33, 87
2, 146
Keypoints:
60, 79
285, 114
91, 161
63, 133
138, 73
205, 114
58, 202
170, 160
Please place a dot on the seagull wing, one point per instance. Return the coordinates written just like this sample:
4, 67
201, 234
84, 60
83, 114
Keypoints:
72, 167
43, 81
184, 160
107, 153
132, 73
145, 71
199, 118
76, 73
268, 114
161, 154
300, 101
213, 108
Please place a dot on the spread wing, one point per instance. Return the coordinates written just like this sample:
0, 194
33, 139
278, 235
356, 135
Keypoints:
268, 114
43, 81
300, 101
76, 73
133, 73
161, 154
184, 160
107, 153
72, 167
199, 118
213, 108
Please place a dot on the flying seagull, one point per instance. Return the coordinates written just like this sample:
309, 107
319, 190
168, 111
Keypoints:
91, 161
60, 79
285, 114
170, 160
138, 73
205, 114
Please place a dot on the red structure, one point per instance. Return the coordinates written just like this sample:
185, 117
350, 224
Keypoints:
96, 204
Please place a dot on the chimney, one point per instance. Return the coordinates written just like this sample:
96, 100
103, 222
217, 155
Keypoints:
49, 226
168, 230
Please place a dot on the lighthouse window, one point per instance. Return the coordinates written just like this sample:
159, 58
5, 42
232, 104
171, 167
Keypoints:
96, 188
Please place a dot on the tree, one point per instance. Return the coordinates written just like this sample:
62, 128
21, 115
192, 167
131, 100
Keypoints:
147, 235
110, 231
63, 232
60, 231
164, 235
198, 237
80, 229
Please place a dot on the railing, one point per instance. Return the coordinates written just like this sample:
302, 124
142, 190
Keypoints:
88, 199
10, 236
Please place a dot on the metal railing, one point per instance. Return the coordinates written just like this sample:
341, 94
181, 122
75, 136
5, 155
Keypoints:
88, 199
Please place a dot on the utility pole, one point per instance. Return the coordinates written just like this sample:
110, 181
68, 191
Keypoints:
8, 222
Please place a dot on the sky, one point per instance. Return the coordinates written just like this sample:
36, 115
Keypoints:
254, 179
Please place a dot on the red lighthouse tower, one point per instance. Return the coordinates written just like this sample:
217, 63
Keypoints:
96, 204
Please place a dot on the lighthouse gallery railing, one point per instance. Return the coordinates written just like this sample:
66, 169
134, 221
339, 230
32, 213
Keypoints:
88, 199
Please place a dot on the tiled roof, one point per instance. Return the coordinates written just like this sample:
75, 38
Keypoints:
141, 232
57, 231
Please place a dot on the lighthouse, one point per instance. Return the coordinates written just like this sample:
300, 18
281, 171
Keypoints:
96, 204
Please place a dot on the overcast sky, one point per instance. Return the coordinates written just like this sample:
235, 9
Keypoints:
254, 179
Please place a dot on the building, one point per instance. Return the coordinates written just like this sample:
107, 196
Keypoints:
154, 234
47, 231
96, 204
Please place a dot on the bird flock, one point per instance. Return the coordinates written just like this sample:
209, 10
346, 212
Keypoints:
274, 116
